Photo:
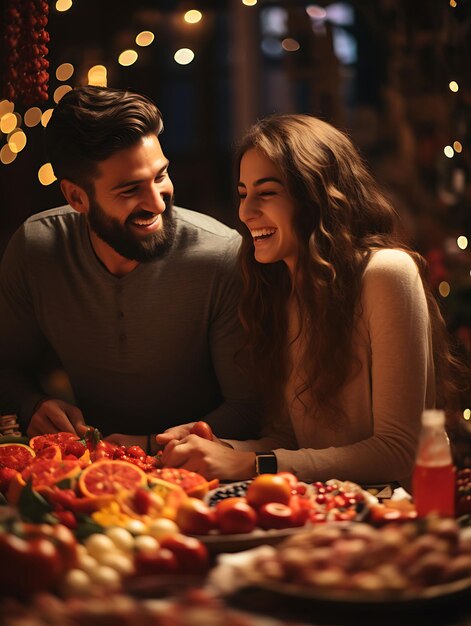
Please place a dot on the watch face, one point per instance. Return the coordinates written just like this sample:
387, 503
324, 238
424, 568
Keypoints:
266, 463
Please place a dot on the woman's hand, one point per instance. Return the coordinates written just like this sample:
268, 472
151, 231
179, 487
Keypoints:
55, 416
212, 459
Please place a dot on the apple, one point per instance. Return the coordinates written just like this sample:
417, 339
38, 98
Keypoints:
194, 517
234, 516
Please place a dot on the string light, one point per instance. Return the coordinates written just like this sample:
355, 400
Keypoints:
64, 71
249, 3
184, 56
145, 38
457, 146
453, 4
6, 107
193, 16
46, 174
63, 5
467, 414
8, 123
448, 151
453, 86
128, 57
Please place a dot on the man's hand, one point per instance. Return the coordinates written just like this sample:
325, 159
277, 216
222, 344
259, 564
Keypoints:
175, 433
212, 459
54, 416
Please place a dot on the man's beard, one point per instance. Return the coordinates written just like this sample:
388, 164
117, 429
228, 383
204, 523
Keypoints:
125, 242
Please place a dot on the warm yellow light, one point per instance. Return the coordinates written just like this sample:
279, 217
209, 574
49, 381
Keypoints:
33, 116
46, 174
46, 116
453, 3
249, 3
448, 151
184, 56
63, 5
193, 16
467, 414
8, 123
444, 289
453, 85
61, 91
98, 76
145, 38
64, 71
457, 146
290, 45
6, 155
128, 57
462, 242
17, 141
6, 107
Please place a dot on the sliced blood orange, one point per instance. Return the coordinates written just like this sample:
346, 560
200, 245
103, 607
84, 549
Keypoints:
51, 453
45, 472
59, 439
110, 477
16, 456
192, 483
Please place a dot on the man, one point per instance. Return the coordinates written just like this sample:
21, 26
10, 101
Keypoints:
137, 298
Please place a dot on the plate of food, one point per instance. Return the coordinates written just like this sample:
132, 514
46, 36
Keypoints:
396, 566
273, 507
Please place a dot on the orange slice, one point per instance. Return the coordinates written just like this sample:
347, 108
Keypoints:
17, 456
110, 477
51, 453
45, 473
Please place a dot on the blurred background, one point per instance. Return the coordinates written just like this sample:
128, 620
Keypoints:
395, 74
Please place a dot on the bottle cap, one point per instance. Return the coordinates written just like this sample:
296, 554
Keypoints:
433, 417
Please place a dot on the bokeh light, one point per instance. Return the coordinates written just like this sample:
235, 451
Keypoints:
448, 151
184, 56
462, 242
8, 123
145, 38
193, 16
64, 71
6, 107
17, 141
60, 92
467, 414
63, 5
457, 147
453, 85
46, 174
127, 57
290, 45
6, 155
33, 116
98, 76
46, 116
249, 3
444, 289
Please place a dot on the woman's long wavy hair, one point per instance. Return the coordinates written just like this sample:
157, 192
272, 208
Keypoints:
340, 218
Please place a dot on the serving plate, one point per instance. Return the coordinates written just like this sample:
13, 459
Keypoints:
217, 543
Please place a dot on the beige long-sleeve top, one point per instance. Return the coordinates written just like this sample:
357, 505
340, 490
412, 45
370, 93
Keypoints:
382, 403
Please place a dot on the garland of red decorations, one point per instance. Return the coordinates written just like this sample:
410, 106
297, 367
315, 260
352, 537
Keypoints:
25, 42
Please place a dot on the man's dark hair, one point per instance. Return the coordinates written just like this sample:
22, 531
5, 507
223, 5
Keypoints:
90, 124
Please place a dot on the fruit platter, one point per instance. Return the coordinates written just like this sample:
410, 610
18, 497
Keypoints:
83, 519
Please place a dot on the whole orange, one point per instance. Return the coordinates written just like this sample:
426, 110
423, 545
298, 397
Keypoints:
268, 488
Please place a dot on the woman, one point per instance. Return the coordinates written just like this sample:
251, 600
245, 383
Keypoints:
345, 337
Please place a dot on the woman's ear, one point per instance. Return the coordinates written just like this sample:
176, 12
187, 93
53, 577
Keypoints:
75, 195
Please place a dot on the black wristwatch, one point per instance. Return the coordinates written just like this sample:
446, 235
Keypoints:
265, 463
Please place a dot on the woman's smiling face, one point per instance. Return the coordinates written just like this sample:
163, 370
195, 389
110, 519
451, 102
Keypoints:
267, 209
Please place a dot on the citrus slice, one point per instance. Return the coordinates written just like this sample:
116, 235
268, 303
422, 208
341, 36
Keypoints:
59, 439
50, 453
192, 483
45, 472
110, 477
16, 456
